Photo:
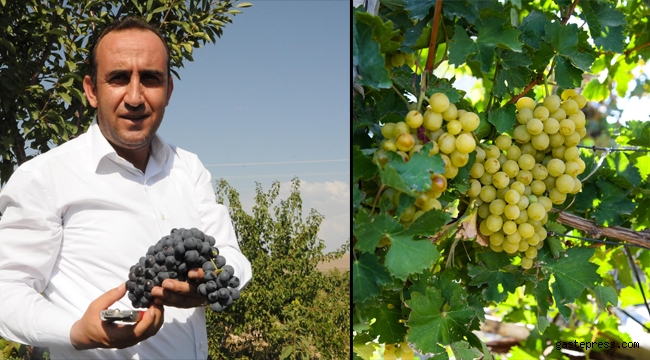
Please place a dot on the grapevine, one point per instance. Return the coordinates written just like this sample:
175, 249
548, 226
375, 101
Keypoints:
496, 203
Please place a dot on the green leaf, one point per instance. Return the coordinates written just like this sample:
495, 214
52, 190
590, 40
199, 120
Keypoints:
555, 227
414, 175
368, 277
369, 230
605, 295
493, 274
567, 75
493, 32
430, 325
363, 167
382, 32
418, 9
408, 256
606, 24
544, 299
66, 97
503, 118
388, 315
573, 274
638, 133
367, 57
462, 9
595, 91
613, 204
244, 5
462, 351
532, 28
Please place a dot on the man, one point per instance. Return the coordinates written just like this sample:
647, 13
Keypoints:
77, 217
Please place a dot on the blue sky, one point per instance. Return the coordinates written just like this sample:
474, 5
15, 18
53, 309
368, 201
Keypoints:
275, 90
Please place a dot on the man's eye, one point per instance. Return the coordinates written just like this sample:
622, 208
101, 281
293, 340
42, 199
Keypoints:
120, 79
150, 80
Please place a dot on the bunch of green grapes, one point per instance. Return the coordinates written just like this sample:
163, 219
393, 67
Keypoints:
451, 132
398, 59
516, 181
401, 351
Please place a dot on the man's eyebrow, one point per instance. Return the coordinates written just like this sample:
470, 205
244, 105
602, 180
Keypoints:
119, 72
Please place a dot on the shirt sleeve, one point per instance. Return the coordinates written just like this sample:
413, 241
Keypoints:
30, 239
216, 222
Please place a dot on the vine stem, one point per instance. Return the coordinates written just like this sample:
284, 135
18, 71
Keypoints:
641, 238
434, 36
401, 96
568, 15
638, 279
376, 198
526, 89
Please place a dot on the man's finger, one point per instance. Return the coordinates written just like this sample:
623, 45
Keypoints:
110, 297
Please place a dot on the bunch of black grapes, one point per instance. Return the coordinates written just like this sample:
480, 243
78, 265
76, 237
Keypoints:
172, 257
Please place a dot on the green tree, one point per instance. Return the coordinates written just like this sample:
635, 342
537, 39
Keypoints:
44, 48
425, 265
290, 309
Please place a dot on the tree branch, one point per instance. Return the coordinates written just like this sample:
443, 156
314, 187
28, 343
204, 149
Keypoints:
640, 238
568, 15
526, 89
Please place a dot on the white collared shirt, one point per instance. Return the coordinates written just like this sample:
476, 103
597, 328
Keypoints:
75, 219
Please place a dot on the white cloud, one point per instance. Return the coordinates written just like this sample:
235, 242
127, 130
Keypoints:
330, 198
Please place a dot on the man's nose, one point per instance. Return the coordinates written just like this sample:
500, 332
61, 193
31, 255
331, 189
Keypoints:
134, 91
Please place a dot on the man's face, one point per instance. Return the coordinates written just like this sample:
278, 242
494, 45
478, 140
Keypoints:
132, 87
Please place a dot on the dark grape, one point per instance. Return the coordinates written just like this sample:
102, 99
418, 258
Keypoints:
172, 257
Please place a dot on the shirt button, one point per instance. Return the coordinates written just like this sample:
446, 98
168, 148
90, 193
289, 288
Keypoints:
162, 216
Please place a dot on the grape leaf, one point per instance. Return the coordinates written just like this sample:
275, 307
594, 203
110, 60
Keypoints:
418, 9
595, 91
567, 75
412, 176
408, 256
382, 32
430, 326
387, 314
605, 295
368, 277
613, 204
357, 198
638, 133
363, 166
493, 32
503, 118
544, 298
555, 227
532, 28
368, 58
462, 9
606, 24
492, 274
573, 274
462, 350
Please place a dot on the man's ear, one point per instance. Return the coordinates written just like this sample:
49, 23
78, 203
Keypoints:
170, 88
90, 91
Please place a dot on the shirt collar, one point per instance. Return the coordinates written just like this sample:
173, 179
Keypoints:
100, 148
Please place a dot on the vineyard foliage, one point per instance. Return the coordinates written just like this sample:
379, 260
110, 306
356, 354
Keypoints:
425, 281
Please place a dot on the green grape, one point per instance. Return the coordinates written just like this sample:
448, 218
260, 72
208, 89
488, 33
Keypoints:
531, 252
572, 168
465, 143
497, 206
541, 113
480, 154
525, 177
579, 119
577, 187
521, 134
560, 115
484, 230
432, 120
518, 186
488, 194
491, 165
389, 145
474, 188
535, 126
569, 93
459, 159
558, 152
514, 238
556, 139
509, 247
404, 142
536, 212
526, 162
546, 202
524, 115
564, 183
567, 127
414, 119
454, 127
401, 128
387, 130
511, 168
496, 248
447, 143
451, 113
557, 197
439, 102
497, 238
512, 196
513, 153
572, 140
551, 126
477, 170
509, 227
408, 213
486, 179
526, 263
523, 246
526, 230
484, 210
540, 172
552, 103
540, 142
511, 211
523, 217
534, 240
556, 167
503, 142
525, 103
571, 153
492, 152
470, 121
523, 203
529, 149
500, 180
537, 187
494, 223
570, 107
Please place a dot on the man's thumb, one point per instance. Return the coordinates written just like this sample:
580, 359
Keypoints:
111, 296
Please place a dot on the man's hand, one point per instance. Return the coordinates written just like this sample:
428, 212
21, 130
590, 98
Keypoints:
91, 332
180, 294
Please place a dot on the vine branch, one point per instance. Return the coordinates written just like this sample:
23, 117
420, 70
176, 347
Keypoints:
641, 238
534, 82
434, 37
570, 12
